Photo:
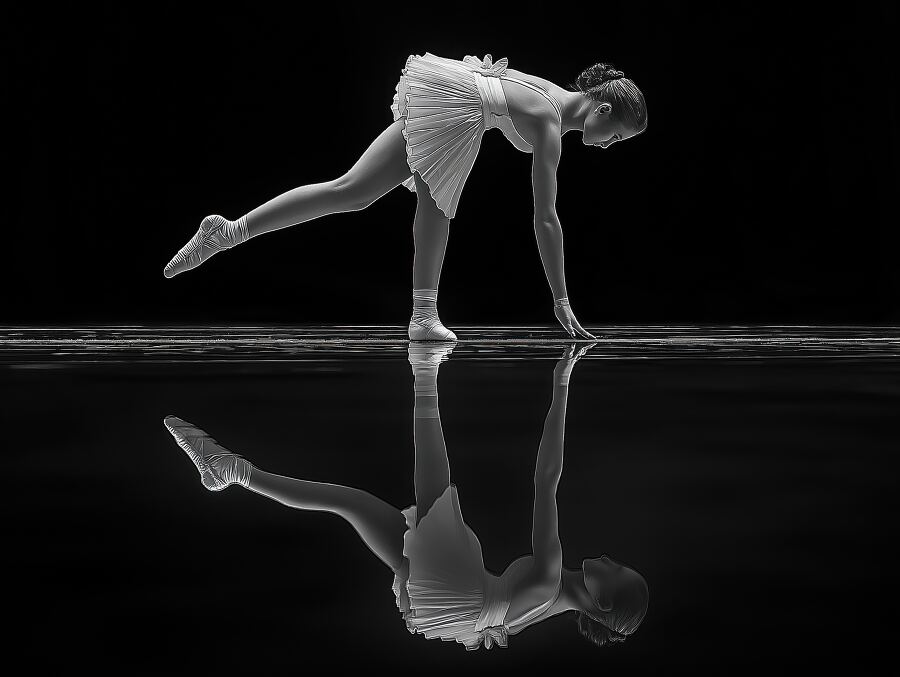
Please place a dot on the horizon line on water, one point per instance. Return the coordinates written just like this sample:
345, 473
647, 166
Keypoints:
29, 344
487, 327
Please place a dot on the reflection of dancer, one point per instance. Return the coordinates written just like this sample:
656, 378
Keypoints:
441, 109
441, 586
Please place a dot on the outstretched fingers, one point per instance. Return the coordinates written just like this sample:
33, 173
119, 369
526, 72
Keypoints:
582, 331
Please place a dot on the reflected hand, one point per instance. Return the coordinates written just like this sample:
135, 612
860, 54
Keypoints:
567, 319
562, 372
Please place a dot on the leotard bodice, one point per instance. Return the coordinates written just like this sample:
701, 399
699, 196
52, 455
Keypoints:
488, 77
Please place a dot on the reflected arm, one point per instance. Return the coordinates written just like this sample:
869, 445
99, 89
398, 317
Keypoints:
545, 541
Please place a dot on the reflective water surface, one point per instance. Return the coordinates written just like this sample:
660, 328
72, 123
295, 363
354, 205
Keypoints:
746, 475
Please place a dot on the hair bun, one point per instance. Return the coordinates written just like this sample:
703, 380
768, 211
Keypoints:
597, 75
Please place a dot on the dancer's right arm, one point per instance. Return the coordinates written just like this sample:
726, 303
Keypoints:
547, 229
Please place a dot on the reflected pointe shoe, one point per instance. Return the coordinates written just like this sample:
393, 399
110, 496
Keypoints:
429, 356
219, 468
216, 234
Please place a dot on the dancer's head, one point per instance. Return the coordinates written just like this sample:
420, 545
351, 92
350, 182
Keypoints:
620, 597
617, 110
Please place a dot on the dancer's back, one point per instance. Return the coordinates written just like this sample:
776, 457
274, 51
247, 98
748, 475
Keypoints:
520, 97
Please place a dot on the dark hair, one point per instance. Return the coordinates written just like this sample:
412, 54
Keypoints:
602, 82
594, 631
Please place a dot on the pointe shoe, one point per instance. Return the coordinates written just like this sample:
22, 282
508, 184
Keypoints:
219, 468
429, 355
429, 329
216, 234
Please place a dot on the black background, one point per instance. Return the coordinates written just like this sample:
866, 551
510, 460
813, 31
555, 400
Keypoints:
763, 190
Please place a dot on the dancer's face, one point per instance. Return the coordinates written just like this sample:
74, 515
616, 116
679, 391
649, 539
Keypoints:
617, 590
600, 129
601, 577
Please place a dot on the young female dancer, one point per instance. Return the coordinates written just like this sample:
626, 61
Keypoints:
440, 584
441, 109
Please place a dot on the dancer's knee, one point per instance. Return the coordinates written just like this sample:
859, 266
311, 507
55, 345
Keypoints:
352, 194
427, 207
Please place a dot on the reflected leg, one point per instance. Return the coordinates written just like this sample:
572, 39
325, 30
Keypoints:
432, 469
380, 525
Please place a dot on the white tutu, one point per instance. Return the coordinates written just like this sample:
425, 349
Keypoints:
444, 115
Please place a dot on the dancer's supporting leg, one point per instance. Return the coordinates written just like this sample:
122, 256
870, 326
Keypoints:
380, 169
432, 471
431, 229
380, 525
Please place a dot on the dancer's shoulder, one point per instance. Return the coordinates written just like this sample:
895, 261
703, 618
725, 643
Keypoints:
531, 97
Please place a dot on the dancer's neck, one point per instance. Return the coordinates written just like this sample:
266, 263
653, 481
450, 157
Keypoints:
575, 109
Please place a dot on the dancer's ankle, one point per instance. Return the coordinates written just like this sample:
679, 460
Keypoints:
426, 404
243, 472
425, 376
425, 297
233, 469
234, 233
241, 230
425, 325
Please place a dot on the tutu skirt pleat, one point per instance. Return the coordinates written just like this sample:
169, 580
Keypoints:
444, 123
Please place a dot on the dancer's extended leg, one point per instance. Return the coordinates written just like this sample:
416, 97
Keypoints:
431, 230
381, 168
380, 525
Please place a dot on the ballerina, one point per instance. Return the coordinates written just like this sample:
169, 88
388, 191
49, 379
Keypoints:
441, 109
441, 586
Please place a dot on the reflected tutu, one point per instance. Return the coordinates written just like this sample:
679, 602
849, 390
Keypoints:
445, 592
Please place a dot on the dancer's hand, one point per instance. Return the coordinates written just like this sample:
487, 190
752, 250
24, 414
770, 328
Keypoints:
567, 319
